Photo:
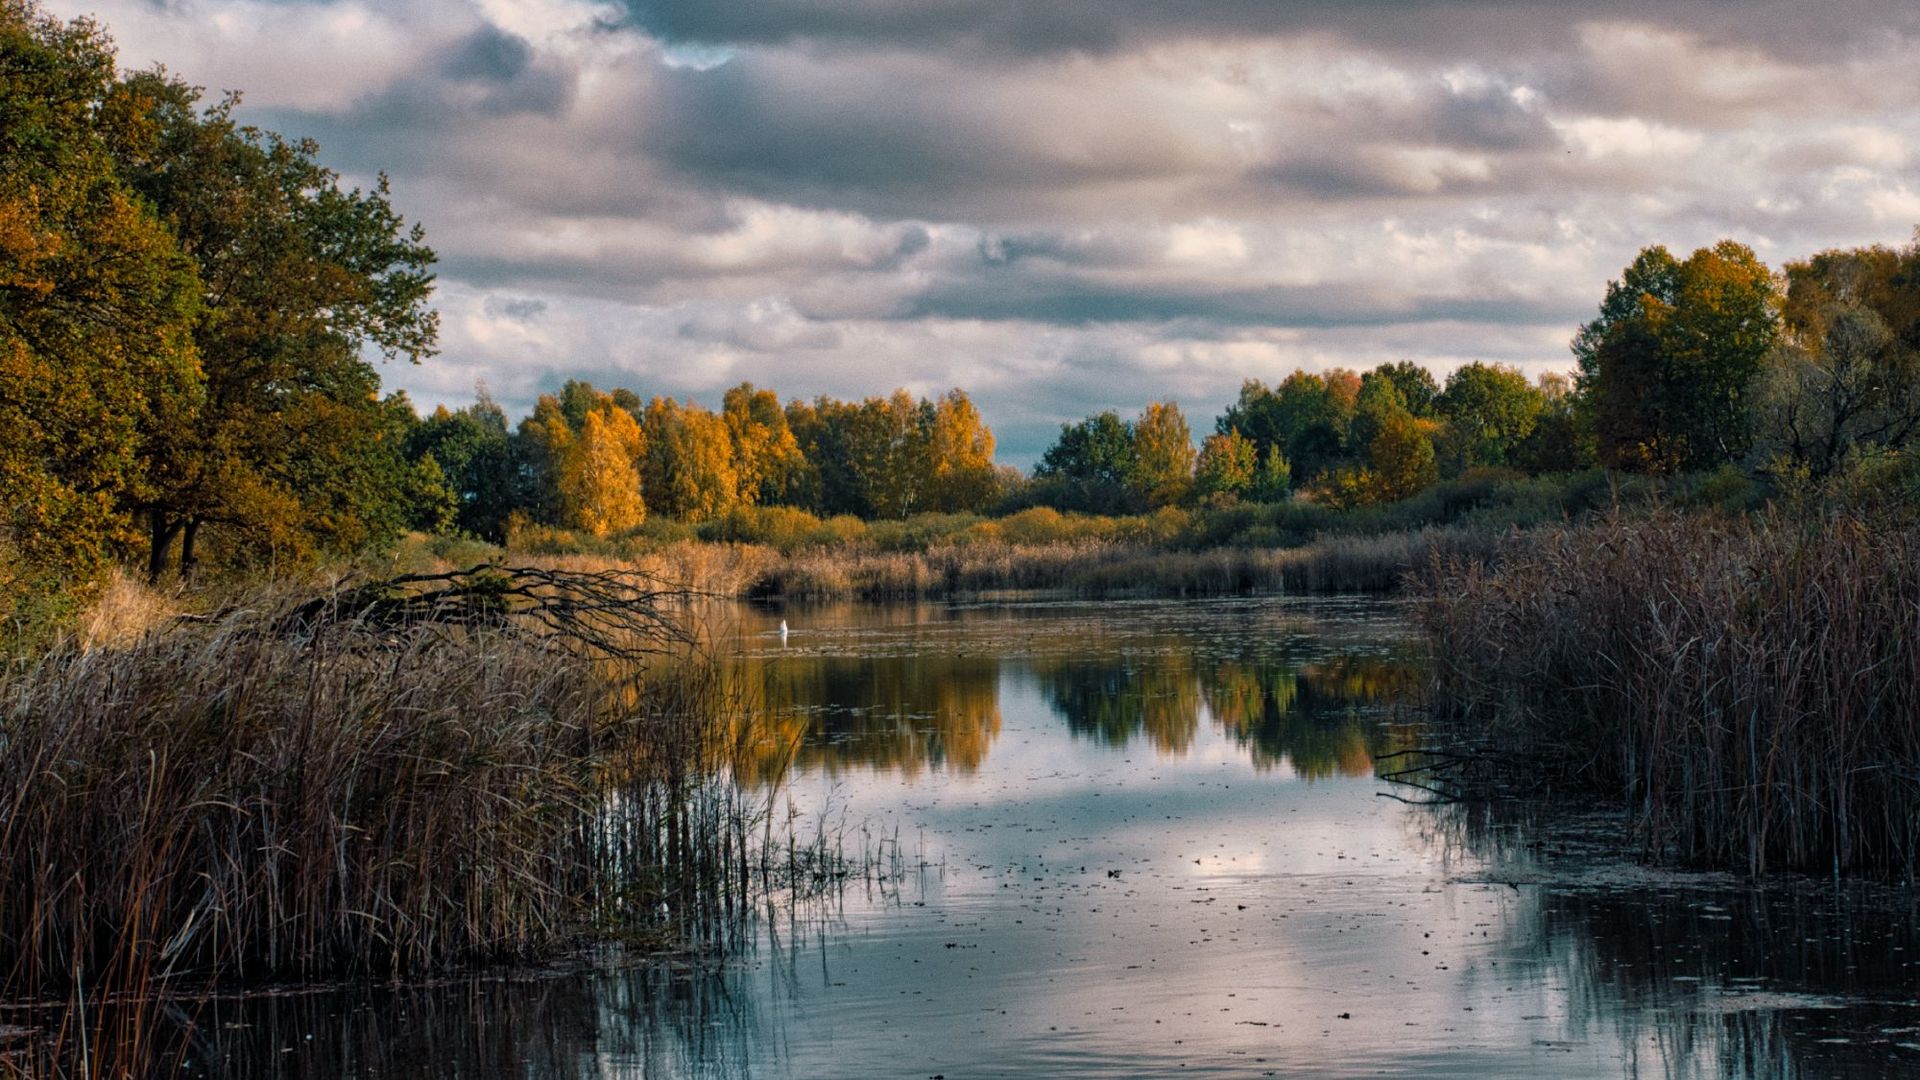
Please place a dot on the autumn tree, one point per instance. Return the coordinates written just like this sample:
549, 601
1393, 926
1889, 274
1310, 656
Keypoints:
961, 473
1163, 455
687, 468
1224, 471
767, 460
599, 485
887, 453
97, 307
1669, 366
1402, 457
1845, 378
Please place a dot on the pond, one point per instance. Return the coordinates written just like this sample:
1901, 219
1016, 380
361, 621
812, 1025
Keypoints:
1146, 839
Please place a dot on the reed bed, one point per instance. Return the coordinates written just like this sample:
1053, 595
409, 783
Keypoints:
1102, 568
230, 802
1749, 687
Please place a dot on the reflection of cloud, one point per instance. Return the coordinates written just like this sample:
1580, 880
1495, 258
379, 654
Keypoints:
1042, 202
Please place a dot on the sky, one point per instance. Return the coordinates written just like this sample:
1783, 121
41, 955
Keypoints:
1060, 206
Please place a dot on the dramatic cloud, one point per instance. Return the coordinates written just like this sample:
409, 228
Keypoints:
1059, 206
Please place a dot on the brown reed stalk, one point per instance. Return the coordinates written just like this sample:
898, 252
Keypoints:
1750, 687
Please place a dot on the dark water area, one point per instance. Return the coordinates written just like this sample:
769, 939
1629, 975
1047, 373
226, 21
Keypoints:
1146, 839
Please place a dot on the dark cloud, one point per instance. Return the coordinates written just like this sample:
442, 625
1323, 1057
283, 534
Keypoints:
1449, 27
902, 140
1069, 301
489, 55
519, 309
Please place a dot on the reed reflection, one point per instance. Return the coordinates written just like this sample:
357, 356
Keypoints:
1695, 975
654, 1020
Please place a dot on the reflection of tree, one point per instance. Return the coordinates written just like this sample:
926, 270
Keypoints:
1321, 716
1111, 701
1317, 717
828, 713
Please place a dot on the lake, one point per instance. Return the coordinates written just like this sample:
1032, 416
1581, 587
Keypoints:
1145, 838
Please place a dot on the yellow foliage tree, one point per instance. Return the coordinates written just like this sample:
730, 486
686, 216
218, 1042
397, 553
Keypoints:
1403, 459
960, 456
599, 486
766, 458
688, 469
1163, 455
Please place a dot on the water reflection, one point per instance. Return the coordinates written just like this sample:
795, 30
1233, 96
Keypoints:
819, 713
664, 1020
907, 688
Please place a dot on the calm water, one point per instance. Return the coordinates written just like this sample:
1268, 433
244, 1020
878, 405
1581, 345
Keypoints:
1145, 839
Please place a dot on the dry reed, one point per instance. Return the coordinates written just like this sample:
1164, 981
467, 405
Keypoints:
225, 803
1751, 687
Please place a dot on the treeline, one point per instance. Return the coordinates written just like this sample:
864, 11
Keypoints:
187, 308
602, 462
1692, 365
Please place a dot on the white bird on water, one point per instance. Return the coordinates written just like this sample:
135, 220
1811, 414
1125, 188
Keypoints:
783, 631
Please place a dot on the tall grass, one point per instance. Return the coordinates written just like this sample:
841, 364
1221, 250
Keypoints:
1750, 687
221, 803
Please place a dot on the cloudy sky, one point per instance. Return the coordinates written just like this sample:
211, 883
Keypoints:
1059, 205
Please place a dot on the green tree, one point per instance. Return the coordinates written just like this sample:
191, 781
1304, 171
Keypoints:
1306, 418
301, 279
1560, 441
1379, 399
1418, 392
1488, 410
475, 453
1088, 466
540, 447
1273, 481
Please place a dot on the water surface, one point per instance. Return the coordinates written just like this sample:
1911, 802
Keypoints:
1146, 839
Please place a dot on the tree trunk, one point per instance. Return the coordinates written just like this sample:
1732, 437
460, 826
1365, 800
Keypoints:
162, 531
187, 560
